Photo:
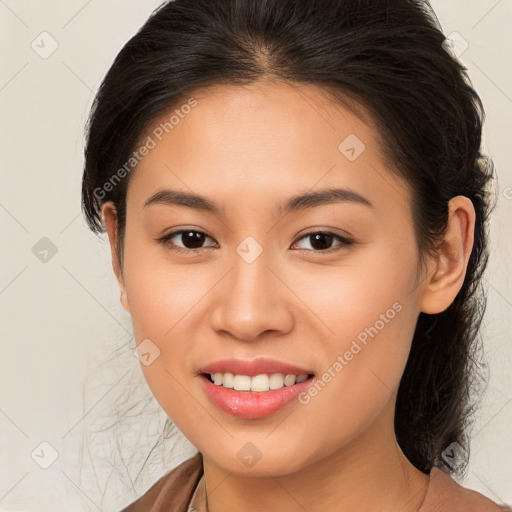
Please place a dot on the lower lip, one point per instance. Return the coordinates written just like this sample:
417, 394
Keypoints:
251, 404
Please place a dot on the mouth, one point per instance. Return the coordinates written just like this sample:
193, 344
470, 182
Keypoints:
253, 397
258, 383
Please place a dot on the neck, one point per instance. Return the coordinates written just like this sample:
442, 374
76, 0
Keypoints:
369, 473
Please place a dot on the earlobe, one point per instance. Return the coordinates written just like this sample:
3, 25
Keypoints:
109, 215
124, 299
448, 269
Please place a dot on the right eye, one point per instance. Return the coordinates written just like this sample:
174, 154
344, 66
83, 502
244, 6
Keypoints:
191, 239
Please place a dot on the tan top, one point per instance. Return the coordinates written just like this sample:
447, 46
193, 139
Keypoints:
183, 490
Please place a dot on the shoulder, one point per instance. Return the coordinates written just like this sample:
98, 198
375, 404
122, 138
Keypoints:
445, 494
173, 491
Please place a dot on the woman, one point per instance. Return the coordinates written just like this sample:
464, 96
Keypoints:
228, 140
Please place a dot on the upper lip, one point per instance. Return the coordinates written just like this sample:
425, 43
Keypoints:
253, 367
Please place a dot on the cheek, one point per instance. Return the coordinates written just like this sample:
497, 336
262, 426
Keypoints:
369, 307
353, 295
164, 301
160, 294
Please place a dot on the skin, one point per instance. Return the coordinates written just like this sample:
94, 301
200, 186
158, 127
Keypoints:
248, 149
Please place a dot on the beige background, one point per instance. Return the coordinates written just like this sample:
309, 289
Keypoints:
65, 368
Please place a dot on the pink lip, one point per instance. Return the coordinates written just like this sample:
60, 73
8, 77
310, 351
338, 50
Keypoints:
253, 367
250, 404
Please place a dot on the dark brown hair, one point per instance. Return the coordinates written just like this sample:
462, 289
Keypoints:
388, 56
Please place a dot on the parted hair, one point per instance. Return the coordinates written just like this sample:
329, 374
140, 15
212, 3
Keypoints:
389, 57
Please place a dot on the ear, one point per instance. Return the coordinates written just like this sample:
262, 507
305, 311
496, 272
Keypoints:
448, 269
109, 214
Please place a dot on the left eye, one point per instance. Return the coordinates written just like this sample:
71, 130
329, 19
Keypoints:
321, 241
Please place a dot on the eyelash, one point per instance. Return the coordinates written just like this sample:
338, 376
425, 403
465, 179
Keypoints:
344, 242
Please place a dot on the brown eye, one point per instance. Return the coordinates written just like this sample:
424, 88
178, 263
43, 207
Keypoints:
321, 241
190, 240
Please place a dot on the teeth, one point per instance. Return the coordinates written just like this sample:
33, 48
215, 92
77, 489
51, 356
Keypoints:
227, 380
258, 383
301, 378
276, 381
242, 383
289, 380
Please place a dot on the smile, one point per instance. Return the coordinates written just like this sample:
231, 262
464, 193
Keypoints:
258, 383
261, 402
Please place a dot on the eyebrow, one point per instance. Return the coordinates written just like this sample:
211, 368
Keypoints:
299, 202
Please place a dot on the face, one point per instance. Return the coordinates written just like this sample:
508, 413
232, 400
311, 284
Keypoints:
324, 287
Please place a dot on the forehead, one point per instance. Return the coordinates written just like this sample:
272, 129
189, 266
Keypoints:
265, 140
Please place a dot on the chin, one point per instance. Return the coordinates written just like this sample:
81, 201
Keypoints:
250, 460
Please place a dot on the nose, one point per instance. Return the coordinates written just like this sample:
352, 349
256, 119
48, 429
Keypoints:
252, 299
